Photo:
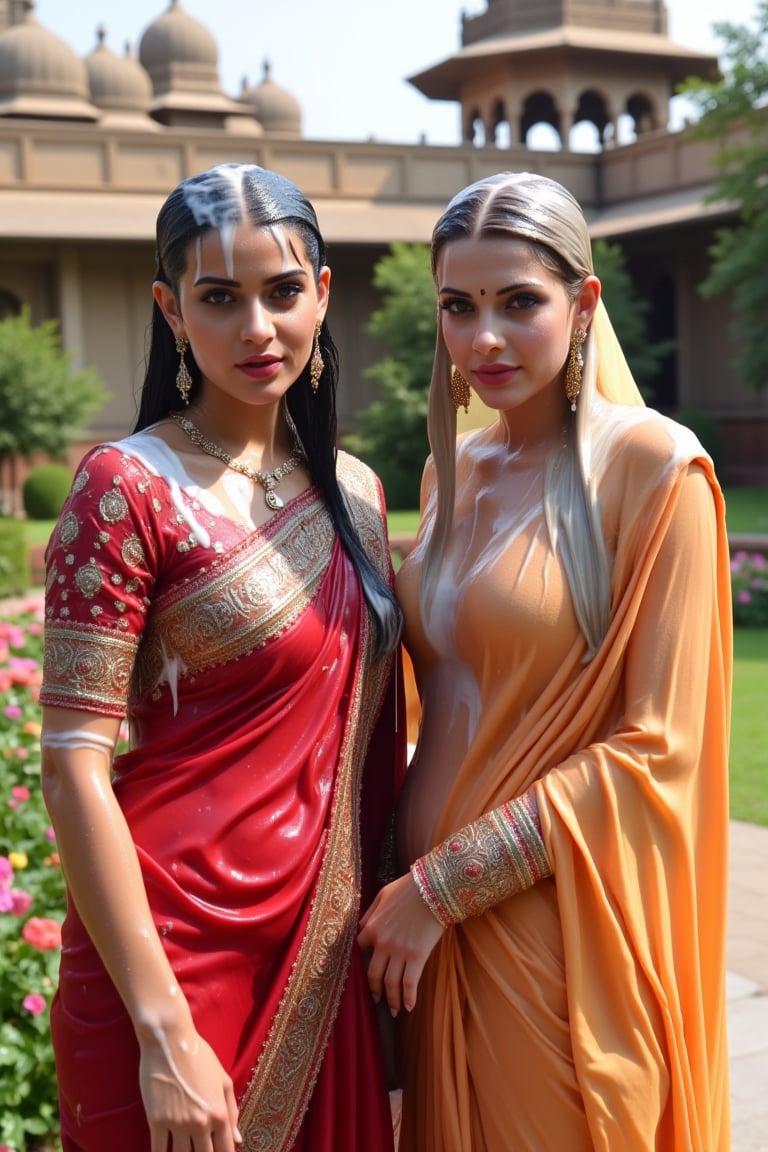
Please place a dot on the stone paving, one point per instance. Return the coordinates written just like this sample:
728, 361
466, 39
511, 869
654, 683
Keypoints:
748, 986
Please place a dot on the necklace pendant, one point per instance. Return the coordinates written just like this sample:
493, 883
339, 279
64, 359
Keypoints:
273, 501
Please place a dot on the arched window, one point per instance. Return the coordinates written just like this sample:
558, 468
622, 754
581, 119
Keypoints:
643, 113
540, 110
502, 129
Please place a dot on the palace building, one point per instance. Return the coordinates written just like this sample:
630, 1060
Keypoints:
90, 147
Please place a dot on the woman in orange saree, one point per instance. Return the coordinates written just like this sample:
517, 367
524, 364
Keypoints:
211, 993
559, 936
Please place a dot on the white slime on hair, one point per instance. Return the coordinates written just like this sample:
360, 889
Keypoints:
203, 198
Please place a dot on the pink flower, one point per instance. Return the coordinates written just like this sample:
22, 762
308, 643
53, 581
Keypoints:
13, 712
6, 900
6, 871
21, 903
42, 933
50, 834
20, 791
745, 597
34, 1003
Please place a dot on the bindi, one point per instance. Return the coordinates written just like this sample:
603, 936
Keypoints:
482, 291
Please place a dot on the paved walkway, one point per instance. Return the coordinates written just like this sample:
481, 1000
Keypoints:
747, 973
748, 986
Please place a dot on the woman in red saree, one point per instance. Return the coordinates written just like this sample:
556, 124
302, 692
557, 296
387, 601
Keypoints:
211, 993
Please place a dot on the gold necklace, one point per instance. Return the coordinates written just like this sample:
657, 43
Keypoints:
268, 480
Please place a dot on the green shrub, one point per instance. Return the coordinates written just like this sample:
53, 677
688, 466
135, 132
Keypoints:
45, 490
708, 432
14, 558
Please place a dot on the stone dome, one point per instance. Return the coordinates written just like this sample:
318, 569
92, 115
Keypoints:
275, 108
176, 38
181, 57
117, 83
40, 75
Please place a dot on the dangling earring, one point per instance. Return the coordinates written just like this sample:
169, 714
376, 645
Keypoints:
183, 378
574, 368
316, 364
460, 392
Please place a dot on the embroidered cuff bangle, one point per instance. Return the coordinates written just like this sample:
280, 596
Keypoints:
497, 856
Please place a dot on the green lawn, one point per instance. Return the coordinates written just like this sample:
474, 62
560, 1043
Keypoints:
402, 523
749, 733
746, 510
38, 531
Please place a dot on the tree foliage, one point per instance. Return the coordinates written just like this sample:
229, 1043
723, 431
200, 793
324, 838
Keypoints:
43, 404
628, 314
392, 432
734, 113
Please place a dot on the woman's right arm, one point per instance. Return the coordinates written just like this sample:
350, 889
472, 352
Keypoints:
186, 1093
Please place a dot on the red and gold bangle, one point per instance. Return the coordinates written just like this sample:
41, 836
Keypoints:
497, 856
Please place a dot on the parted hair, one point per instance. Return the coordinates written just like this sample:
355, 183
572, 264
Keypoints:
542, 213
221, 198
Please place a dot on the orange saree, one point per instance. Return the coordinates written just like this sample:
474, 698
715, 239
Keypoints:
587, 1013
262, 772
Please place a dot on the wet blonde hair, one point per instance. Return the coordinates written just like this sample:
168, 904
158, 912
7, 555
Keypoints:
544, 214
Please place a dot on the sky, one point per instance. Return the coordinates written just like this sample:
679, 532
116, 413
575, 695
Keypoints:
345, 61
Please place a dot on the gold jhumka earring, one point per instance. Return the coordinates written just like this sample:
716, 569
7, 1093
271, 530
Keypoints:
183, 378
460, 391
316, 364
574, 368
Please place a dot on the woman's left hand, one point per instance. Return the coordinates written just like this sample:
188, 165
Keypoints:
400, 932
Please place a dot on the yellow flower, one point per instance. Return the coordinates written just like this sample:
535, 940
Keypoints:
18, 860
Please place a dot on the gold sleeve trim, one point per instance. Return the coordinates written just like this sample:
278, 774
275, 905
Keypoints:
87, 667
497, 856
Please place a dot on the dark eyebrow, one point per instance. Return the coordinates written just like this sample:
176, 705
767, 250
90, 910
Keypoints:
517, 287
501, 291
223, 281
454, 292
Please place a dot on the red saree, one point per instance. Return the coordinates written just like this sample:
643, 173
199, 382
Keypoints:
261, 778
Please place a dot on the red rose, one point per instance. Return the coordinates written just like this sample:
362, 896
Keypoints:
42, 933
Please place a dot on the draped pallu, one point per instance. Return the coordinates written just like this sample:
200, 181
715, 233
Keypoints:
588, 1012
257, 788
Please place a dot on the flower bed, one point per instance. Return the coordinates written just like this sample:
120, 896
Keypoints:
749, 579
31, 900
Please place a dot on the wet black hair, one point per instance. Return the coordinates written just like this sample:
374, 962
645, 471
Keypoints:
221, 198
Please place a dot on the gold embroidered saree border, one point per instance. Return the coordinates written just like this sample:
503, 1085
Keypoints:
241, 604
277, 1096
87, 667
